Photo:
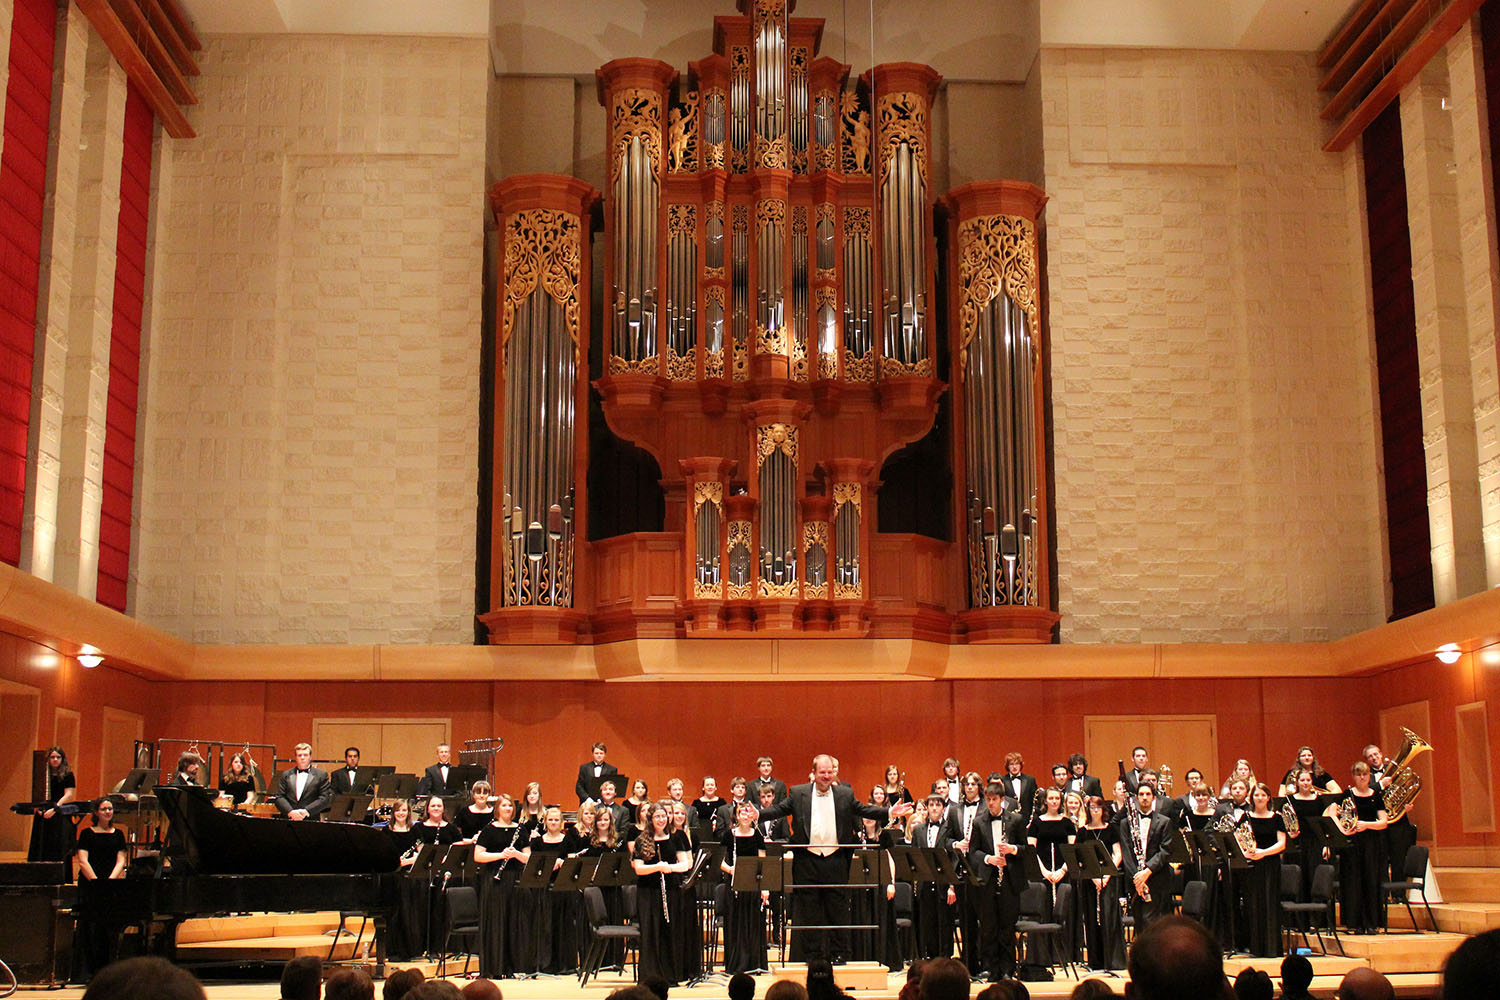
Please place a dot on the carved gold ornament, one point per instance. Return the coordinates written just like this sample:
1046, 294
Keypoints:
682, 136
825, 212
996, 254
850, 591
856, 158
799, 361
847, 493
637, 114
858, 369
713, 152
643, 366
681, 367
799, 222
769, 589
768, 9
770, 341
741, 372
772, 438
814, 533
857, 222
903, 118
890, 368
682, 220
772, 212
709, 492
771, 153
542, 247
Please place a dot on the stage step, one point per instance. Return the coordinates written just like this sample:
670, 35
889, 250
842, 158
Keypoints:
258, 925
280, 948
850, 975
1459, 918
269, 937
1469, 885
1391, 953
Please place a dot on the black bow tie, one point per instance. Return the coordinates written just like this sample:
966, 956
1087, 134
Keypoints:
301, 770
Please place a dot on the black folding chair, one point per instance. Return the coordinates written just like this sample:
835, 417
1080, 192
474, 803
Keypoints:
1319, 912
601, 933
463, 919
1415, 870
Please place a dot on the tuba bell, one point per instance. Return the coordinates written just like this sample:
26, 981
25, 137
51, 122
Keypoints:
1405, 783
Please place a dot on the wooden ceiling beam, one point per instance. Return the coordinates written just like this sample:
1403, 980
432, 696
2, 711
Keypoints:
1390, 14
1352, 26
180, 24
123, 47
175, 46
1443, 27
156, 53
1386, 54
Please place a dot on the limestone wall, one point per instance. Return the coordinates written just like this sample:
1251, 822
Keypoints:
310, 451
1216, 458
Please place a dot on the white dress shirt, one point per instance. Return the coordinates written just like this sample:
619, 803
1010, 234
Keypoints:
823, 832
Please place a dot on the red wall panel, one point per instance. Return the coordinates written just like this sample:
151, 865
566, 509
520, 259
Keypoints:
23, 178
125, 353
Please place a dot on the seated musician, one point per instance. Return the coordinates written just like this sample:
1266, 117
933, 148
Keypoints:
237, 783
618, 810
303, 791
188, 766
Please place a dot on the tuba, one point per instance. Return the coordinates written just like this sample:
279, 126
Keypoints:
1405, 783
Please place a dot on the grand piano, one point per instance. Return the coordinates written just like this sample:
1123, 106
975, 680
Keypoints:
230, 863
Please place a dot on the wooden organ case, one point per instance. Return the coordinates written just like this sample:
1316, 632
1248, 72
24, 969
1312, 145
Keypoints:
770, 328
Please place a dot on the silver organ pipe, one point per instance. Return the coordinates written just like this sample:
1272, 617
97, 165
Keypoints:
800, 289
825, 120
706, 533
682, 293
540, 378
1001, 456
778, 519
904, 258
858, 311
846, 546
739, 276
739, 109
771, 78
770, 293
713, 120
825, 244
636, 203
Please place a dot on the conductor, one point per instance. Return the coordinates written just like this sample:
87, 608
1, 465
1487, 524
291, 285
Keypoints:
824, 815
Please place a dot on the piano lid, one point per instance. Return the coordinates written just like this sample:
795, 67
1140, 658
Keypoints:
224, 843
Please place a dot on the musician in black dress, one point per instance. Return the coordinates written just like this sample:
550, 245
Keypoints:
1303, 849
237, 783
1048, 833
102, 855
530, 812
1201, 814
660, 859
51, 831
745, 923
895, 786
1263, 881
479, 813
506, 946
402, 940
419, 899
557, 914
1321, 779
706, 805
1362, 865
1099, 902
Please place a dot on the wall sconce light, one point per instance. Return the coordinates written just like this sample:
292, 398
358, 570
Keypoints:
89, 658
1449, 653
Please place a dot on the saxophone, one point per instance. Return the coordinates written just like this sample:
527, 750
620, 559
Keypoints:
1405, 783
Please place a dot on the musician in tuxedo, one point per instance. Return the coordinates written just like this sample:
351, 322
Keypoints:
618, 809
934, 903
1170, 808
1140, 764
303, 792
824, 815
597, 767
188, 766
951, 775
1079, 780
436, 779
773, 830
763, 767
959, 820
1145, 867
1019, 786
1401, 834
725, 814
1184, 802
994, 843
345, 779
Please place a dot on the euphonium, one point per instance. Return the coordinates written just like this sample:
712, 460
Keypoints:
1289, 817
1405, 783
1346, 819
1245, 837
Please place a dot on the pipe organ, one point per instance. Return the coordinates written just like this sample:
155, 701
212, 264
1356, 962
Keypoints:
770, 334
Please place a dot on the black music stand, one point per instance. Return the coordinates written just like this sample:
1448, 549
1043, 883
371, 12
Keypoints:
538, 871
575, 874
366, 775
136, 781
1234, 860
451, 805
614, 870
347, 809
757, 874
421, 868
1327, 833
458, 866
620, 781
466, 775
396, 786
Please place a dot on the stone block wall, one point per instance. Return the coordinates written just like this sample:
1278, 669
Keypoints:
1215, 445
310, 451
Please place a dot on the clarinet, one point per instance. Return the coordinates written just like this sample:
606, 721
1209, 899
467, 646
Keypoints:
1140, 858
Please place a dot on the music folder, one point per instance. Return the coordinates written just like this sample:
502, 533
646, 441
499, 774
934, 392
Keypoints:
710, 857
